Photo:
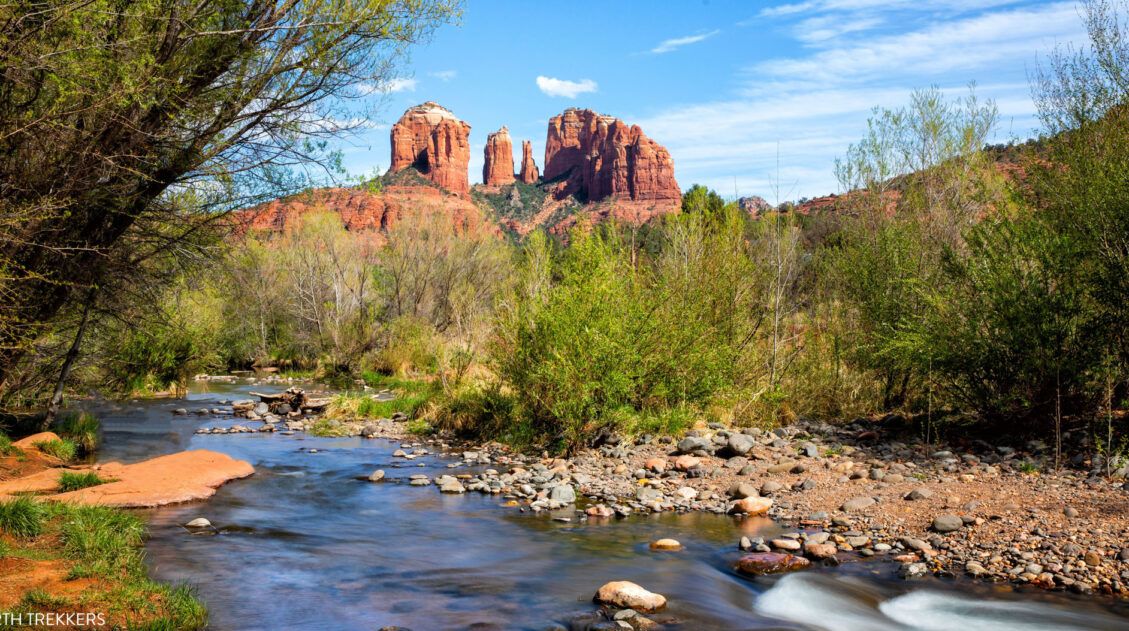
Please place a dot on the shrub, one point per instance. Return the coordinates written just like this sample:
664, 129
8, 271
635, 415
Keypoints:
82, 429
70, 481
613, 337
62, 449
22, 517
6, 447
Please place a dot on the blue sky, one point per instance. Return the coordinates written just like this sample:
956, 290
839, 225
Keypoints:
724, 85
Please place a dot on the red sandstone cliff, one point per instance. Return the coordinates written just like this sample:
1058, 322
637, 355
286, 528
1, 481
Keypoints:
498, 167
361, 209
601, 156
431, 139
529, 173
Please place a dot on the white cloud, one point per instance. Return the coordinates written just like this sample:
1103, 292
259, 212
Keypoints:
398, 85
444, 75
668, 45
815, 101
565, 88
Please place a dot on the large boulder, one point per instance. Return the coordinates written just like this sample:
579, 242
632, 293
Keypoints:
628, 595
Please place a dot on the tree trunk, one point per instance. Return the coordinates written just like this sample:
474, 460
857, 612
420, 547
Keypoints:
68, 363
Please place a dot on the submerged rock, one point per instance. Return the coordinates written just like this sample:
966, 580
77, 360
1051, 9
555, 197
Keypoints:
666, 545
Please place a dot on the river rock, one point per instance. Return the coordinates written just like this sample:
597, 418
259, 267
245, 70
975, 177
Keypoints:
691, 444
687, 462
563, 493
666, 544
922, 493
741, 444
947, 523
912, 570
600, 510
376, 476
857, 504
628, 595
741, 490
760, 563
751, 506
199, 522
820, 550
449, 484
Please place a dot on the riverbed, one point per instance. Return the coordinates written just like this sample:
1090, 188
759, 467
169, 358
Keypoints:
305, 544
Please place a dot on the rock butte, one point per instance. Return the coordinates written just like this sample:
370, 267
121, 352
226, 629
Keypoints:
180, 477
498, 163
601, 156
597, 168
431, 139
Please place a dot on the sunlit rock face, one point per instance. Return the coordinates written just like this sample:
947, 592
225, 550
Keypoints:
431, 139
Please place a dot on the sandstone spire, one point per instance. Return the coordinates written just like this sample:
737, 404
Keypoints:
498, 167
529, 173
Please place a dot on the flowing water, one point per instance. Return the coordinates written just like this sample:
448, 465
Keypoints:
304, 544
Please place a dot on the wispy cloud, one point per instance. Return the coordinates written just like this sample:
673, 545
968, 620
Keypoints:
444, 75
564, 88
399, 85
669, 45
814, 102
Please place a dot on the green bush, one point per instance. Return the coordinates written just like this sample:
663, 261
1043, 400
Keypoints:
22, 517
602, 337
6, 447
62, 449
82, 429
71, 481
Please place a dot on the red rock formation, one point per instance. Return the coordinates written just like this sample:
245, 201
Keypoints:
498, 168
529, 173
601, 156
430, 138
360, 209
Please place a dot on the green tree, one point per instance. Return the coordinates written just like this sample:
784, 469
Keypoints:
109, 109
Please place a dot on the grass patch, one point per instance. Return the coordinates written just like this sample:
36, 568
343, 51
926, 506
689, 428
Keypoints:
6, 447
419, 427
22, 517
326, 427
104, 543
357, 406
71, 481
82, 430
63, 449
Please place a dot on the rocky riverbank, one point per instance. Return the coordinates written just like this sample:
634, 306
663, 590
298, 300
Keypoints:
838, 494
